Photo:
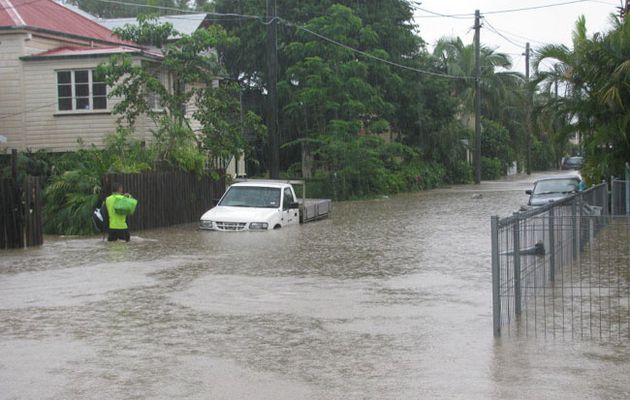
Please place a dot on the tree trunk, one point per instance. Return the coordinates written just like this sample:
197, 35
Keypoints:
307, 161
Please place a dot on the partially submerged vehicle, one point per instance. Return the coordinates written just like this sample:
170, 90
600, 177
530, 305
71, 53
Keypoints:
575, 162
554, 188
258, 205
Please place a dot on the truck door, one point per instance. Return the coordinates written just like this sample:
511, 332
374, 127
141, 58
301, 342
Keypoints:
290, 216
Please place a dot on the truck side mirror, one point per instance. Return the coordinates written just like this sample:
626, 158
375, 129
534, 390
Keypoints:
528, 191
294, 205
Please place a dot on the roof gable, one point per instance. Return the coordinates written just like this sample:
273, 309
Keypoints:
49, 16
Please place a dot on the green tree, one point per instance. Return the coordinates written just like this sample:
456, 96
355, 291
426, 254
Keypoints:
595, 75
321, 81
195, 67
499, 85
502, 90
327, 82
113, 10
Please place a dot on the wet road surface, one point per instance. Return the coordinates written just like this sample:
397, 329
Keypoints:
387, 299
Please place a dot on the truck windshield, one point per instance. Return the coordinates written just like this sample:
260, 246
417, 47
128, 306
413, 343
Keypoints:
251, 196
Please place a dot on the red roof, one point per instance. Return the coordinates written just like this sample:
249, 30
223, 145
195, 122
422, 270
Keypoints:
48, 15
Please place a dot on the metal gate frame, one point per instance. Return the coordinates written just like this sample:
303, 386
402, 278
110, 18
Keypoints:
550, 260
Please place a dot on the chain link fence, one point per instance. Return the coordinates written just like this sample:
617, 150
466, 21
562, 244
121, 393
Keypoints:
563, 270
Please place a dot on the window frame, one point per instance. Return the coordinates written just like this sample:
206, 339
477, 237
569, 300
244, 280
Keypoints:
75, 97
287, 198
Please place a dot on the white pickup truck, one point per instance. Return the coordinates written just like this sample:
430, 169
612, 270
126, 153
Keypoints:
256, 205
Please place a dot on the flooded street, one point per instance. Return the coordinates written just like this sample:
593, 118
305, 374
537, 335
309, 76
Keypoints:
387, 299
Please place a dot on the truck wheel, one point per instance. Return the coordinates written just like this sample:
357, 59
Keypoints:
277, 226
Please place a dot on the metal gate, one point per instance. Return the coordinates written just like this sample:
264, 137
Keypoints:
563, 270
20, 213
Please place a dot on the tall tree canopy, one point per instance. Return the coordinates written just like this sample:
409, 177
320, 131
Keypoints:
114, 10
194, 68
325, 75
595, 75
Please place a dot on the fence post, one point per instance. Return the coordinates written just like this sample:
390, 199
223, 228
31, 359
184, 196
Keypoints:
627, 196
496, 277
33, 211
605, 200
552, 245
576, 231
613, 208
14, 156
517, 264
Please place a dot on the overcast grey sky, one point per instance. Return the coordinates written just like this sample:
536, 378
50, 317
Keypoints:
551, 24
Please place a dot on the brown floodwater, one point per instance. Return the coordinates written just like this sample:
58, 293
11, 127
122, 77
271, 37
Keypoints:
387, 299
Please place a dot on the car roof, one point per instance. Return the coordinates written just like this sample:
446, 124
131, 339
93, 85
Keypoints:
556, 178
261, 184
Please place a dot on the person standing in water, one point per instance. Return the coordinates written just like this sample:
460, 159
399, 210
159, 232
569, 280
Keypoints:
117, 224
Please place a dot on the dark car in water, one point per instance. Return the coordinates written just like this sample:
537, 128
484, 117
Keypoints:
551, 189
575, 162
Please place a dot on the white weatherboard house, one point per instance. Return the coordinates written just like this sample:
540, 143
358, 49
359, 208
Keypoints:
50, 97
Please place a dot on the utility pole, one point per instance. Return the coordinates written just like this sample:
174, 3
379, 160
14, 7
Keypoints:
272, 79
477, 100
528, 113
624, 9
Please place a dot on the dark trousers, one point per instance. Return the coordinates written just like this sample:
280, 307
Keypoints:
115, 234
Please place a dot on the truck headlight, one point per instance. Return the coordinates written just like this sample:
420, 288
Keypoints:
205, 224
258, 225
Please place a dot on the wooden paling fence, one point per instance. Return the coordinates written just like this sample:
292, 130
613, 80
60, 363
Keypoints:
33, 225
167, 198
20, 213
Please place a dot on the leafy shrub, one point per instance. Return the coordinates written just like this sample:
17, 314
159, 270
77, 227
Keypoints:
491, 168
367, 166
69, 201
496, 144
74, 188
460, 172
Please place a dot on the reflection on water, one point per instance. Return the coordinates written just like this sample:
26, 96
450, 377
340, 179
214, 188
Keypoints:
387, 299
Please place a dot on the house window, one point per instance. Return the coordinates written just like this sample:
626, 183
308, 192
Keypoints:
154, 100
81, 90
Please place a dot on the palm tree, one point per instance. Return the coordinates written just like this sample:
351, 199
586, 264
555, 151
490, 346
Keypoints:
502, 90
596, 77
498, 84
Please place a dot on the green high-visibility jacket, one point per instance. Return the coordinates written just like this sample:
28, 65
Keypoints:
116, 220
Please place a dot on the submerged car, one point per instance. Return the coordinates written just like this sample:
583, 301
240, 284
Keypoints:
253, 206
573, 162
551, 189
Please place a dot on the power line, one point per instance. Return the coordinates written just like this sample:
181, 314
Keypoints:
267, 21
13, 7
544, 6
437, 14
368, 55
493, 29
505, 11
184, 11
514, 34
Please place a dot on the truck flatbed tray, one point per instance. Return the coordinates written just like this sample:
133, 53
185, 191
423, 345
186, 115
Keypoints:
314, 209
